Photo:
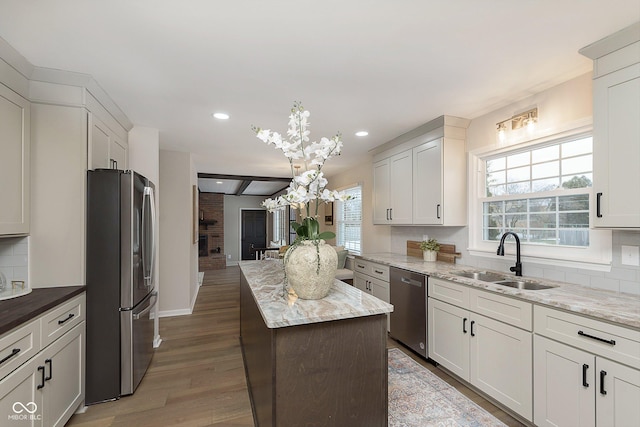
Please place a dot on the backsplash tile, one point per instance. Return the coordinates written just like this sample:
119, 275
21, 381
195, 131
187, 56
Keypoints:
621, 278
14, 260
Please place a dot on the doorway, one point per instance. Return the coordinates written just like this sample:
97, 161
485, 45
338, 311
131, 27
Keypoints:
253, 232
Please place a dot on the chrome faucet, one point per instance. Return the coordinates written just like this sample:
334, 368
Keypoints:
518, 267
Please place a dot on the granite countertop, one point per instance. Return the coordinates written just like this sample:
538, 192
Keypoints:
615, 307
266, 278
17, 311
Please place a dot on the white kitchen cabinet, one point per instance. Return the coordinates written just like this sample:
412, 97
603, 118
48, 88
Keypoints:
106, 149
392, 182
616, 129
493, 356
372, 278
439, 183
14, 162
45, 389
574, 383
420, 178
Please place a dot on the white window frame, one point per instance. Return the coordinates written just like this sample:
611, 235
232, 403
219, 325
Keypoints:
597, 256
337, 206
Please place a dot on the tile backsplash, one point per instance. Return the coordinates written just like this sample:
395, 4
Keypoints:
14, 262
621, 278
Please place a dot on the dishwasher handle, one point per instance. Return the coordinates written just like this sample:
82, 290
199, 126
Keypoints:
411, 282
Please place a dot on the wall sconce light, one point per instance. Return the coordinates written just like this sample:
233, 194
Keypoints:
501, 131
527, 119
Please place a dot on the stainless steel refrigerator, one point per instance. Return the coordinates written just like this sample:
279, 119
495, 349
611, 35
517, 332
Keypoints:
120, 251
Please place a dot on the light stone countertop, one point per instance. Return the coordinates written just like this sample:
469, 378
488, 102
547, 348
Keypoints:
266, 278
615, 307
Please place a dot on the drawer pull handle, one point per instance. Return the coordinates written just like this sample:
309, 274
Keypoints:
611, 342
50, 363
69, 317
13, 353
378, 271
598, 212
602, 390
464, 325
41, 385
473, 322
585, 367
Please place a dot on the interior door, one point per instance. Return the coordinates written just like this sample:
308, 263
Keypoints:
254, 232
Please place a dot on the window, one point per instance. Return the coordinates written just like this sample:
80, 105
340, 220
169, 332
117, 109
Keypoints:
348, 220
540, 190
542, 194
279, 226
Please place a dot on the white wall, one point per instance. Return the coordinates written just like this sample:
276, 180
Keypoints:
232, 207
178, 253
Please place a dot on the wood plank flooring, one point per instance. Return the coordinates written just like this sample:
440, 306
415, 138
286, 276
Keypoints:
196, 377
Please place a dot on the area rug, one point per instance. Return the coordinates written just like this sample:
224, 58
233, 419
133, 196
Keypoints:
418, 398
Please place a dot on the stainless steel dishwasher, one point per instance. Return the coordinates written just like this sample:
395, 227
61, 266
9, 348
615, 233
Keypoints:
408, 295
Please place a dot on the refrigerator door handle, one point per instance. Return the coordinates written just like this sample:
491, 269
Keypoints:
148, 267
154, 295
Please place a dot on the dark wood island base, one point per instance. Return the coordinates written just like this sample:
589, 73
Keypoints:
326, 373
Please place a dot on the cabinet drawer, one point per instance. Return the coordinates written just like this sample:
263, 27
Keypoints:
18, 346
508, 310
372, 269
452, 293
600, 338
61, 319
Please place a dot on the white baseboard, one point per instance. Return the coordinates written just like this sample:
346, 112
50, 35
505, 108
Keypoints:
180, 312
157, 341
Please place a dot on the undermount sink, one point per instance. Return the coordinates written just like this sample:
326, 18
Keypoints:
520, 284
480, 275
497, 279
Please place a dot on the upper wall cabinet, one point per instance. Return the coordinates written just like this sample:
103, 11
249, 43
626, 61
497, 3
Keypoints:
616, 129
439, 183
105, 149
421, 180
392, 181
14, 162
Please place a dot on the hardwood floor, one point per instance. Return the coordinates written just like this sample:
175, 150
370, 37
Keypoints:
196, 377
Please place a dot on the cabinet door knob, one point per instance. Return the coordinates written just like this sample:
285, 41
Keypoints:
50, 363
585, 367
13, 353
42, 379
602, 390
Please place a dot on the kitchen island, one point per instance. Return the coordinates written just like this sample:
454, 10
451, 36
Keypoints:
320, 362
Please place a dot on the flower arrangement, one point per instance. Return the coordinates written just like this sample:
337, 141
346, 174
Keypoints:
430, 245
309, 185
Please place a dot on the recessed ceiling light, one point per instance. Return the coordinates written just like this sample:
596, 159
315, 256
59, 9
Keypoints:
219, 182
362, 133
221, 116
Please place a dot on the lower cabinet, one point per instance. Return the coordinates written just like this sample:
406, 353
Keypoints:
48, 388
490, 355
372, 278
574, 386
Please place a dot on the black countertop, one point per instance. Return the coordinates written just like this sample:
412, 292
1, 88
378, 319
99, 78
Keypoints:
16, 311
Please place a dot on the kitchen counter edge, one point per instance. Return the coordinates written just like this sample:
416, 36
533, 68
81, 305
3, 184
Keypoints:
614, 307
18, 311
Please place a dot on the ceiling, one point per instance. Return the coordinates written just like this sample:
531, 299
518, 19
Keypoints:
377, 65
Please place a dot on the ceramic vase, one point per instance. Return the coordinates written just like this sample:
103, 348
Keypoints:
430, 255
311, 268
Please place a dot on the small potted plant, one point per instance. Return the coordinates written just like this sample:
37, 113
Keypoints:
430, 249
